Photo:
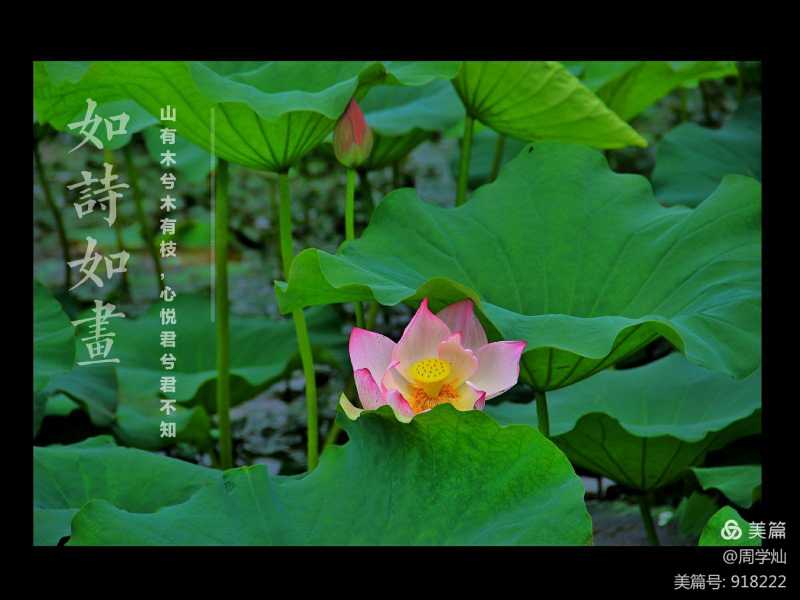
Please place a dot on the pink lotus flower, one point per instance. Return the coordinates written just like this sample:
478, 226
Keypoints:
444, 358
352, 137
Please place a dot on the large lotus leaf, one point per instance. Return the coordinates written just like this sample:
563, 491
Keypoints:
264, 115
66, 477
735, 534
579, 261
691, 160
540, 100
53, 338
261, 349
644, 427
445, 478
629, 87
740, 484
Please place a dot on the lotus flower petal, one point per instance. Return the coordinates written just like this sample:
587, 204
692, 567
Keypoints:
395, 380
498, 367
463, 362
460, 318
468, 398
402, 409
421, 338
370, 350
368, 391
352, 412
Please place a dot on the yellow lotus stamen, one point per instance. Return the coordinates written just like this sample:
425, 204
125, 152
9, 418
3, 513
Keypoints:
420, 400
431, 374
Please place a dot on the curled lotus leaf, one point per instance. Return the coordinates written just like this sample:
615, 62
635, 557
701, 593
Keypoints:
540, 100
644, 427
415, 484
580, 262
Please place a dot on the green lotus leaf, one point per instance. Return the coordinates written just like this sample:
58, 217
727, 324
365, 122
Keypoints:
712, 532
135, 422
413, 73
66, 477
540, 100
192, 162
694, 512
447, 478
644, 427
138, 425
692, 160
263, 115
262, 350
395, 111
60, 405
740, 484
94, 387
629, 87
561, 252
53, 346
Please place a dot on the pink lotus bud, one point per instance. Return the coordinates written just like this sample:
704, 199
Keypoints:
352, 137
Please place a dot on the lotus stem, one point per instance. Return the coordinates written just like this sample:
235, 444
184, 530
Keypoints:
369, 206
463, 168
683, 112
285, 222
647, 518
333, 433
57, 217
365, 189
350, 206
303, 341
372, 315
350, 229
147, 234
705, 94
499, 148
221, 216
542, 415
